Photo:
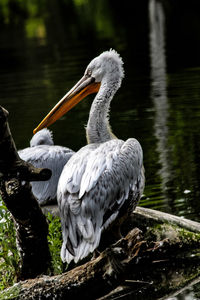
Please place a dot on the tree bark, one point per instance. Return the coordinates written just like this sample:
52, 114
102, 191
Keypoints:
143, 215
15, 190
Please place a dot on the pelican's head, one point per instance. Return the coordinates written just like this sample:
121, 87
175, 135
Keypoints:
43, 137
107, 67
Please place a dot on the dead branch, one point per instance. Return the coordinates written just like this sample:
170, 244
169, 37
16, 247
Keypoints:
15, 190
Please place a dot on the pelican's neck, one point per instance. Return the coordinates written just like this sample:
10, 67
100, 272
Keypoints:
98, 129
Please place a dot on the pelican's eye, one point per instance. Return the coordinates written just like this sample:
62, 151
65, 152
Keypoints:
89, 72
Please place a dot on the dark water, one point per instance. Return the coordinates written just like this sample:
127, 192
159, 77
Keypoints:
44, 49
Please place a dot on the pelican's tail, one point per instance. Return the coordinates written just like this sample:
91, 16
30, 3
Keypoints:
66, 256
83, 249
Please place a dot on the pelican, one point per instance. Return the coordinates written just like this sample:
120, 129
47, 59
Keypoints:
43, 154
102, 183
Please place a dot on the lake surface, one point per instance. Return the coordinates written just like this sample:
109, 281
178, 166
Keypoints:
45, 50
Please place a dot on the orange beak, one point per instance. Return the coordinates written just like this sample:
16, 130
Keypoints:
85, 86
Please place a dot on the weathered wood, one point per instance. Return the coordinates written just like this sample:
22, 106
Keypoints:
149, 216
15, 190
10, 162
130, 256
181, 290
168, 286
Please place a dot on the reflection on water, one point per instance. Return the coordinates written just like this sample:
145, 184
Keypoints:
159, 87
176, 179
44, 50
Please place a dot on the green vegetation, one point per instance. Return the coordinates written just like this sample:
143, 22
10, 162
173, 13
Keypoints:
35, 17
10, 293
55, 243
9, 256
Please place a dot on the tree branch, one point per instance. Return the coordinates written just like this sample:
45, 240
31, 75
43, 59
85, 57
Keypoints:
10, 162
15, 190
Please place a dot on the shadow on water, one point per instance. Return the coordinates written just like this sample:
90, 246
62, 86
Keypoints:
44, 49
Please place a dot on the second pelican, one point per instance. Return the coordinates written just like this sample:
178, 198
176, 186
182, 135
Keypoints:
103, 181
42, 153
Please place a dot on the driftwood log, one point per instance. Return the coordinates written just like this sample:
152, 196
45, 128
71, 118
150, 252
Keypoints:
15, 190
131, 266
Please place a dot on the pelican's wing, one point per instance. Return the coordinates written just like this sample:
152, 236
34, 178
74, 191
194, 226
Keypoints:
91, 195
51, 157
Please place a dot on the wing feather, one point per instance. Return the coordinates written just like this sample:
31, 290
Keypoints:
101, 177
51, 157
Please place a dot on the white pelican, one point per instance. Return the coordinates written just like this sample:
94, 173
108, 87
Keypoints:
104, 180
43, 154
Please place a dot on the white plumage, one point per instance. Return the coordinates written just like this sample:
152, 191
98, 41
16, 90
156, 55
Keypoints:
43, 154
103, 181
87, 191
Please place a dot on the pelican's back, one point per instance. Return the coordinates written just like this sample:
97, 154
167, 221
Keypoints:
92, 190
